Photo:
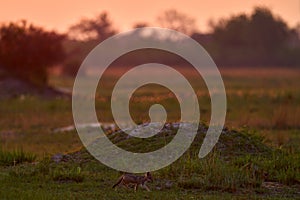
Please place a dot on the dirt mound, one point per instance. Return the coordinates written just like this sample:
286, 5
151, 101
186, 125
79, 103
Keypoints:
230, 144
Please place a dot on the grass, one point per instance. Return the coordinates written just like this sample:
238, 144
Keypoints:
263, 108
265, 100
218, 175
18, 156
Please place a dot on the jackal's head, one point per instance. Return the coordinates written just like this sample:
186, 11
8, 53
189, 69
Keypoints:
149, 177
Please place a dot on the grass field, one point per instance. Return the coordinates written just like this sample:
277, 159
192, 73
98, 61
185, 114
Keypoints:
261, 102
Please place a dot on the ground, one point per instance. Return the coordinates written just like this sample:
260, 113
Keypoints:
258, 158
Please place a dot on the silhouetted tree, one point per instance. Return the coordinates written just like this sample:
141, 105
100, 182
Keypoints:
83, 37
267, 32
233, 32
258, 39
178, 21
26, 51
98, 28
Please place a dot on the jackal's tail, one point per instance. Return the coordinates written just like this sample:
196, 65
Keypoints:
119, 181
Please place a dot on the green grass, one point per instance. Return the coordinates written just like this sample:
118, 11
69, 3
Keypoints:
213, 177
267, 101
260, 103
18, 156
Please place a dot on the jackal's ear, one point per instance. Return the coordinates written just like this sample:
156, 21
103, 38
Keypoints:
148, 174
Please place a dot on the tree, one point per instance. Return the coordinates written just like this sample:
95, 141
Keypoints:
257, 39
175, 20
26, 51
232, 32
267, 31
99, 28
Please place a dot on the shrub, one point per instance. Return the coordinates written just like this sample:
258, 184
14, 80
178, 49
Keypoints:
26, 51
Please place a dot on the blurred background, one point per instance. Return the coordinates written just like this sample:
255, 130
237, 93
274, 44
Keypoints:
255, 44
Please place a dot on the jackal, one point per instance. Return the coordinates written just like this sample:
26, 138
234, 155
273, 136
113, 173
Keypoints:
127, 179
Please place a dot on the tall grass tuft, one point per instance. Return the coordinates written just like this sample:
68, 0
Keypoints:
213, 173
14, 157
67, 174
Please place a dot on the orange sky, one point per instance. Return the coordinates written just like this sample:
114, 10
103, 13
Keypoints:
59, 15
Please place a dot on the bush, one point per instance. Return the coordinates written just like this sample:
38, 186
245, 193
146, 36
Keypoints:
26, 51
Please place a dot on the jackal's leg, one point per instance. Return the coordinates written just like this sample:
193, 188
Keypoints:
125, 185
146, 187
136, 187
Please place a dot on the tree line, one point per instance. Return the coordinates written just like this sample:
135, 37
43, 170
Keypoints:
257, 39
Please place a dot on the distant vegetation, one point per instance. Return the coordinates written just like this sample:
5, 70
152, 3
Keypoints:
26, 51
258, 39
